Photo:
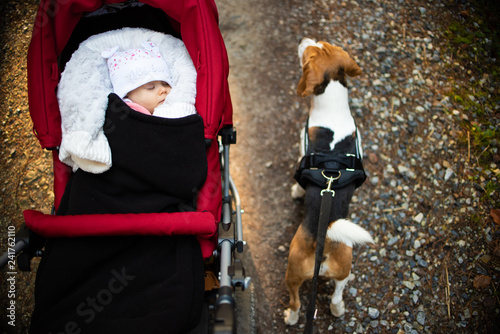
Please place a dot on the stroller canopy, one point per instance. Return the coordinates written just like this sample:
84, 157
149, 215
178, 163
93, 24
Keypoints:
59, 28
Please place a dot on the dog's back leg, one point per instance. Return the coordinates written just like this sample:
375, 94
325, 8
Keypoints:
293, 284
300, 267
337, 306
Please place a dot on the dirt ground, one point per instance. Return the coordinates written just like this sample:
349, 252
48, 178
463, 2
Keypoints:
427, 200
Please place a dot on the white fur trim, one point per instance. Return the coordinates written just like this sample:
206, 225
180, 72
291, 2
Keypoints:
85, 85
346, 232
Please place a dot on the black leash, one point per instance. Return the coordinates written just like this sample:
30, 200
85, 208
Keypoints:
327, 196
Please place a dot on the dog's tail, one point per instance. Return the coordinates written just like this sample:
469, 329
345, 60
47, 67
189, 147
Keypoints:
345, 231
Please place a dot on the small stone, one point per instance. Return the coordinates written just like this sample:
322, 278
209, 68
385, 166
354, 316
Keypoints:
448, 174
418, 218
406, 171
393, 240
407, 328
372, 157
282, 248
373, 312
409, 285
422, 263
31, 176
421, 318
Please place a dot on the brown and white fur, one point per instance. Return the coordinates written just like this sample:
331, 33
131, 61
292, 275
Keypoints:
330, 127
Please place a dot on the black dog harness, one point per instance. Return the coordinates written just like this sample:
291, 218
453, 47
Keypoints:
328, 170
315, 165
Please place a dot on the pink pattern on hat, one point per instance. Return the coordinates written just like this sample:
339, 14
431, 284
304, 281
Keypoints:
133, 68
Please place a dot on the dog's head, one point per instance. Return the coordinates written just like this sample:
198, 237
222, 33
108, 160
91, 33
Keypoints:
322, 62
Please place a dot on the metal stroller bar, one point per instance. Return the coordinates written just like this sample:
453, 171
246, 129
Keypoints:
239, 225
228, 137
231, 271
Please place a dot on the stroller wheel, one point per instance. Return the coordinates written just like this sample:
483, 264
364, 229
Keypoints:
245, 311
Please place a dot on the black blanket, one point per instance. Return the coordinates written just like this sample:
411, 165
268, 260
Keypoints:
158, 166
128, 284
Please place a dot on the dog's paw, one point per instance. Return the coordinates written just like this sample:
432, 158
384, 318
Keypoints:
297, 191
337, 310
291, 317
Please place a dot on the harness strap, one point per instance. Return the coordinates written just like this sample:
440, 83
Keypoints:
332, 160
314, 164
324, 220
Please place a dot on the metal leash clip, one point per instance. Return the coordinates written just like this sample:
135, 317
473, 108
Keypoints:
329, 181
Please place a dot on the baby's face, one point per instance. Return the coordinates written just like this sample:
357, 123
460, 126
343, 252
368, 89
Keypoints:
150, 95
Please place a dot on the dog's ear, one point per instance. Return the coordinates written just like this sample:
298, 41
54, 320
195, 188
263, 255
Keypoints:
343, 60
351, 68
311, 74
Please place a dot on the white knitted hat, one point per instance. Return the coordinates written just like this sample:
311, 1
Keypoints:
135, 67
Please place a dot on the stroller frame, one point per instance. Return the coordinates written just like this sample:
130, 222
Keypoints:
224, 265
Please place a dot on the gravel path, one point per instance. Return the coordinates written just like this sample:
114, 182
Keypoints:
424, 200
427, 106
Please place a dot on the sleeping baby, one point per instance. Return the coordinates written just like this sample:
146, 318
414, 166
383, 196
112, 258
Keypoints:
142, 79
149, 71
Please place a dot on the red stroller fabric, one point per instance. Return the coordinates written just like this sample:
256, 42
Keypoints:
176, 223
196, 21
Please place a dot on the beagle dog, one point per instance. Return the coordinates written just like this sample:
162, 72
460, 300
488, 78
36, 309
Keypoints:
330, 132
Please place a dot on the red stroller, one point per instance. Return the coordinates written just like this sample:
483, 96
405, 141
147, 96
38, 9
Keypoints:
129, 271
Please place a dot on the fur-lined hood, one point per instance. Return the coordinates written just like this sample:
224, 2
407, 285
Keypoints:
85, 85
